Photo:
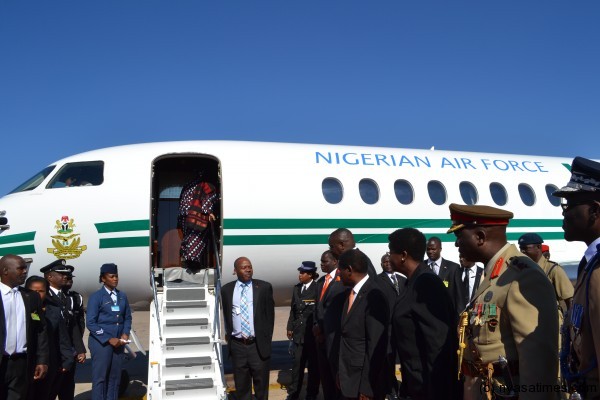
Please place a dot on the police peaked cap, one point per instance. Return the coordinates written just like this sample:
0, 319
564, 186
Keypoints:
59, 265
585, 179
530, 238
307, 266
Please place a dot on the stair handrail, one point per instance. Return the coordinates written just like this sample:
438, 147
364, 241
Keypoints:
217, 320
155, 296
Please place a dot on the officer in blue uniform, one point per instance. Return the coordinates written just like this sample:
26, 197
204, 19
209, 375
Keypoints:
109, 322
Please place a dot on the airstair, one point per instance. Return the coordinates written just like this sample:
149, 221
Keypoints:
185, 349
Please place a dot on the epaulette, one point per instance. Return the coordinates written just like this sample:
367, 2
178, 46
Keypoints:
518, 262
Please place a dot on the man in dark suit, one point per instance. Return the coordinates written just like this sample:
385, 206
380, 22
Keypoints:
424, 323
249, 314
466, 281
299, 331
363, 337
330, 301
392, 285
342, 239
443, 268
21, 327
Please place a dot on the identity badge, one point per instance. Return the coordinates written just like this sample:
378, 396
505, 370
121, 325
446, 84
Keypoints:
115, 308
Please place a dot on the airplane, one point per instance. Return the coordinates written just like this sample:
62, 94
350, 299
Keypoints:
279, 203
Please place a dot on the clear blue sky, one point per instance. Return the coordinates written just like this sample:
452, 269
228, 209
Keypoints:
496, 76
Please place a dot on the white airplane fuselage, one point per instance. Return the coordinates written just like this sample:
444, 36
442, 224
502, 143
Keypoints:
272, 209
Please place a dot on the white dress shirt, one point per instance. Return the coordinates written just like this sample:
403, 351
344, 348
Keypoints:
8, 296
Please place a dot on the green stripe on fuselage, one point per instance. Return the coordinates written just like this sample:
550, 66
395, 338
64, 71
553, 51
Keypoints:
379, 238
123, 226
137, 241
274, 239
25, 249
368, 223
19, 237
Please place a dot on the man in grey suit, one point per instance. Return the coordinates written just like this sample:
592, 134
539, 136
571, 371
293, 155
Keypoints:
249, 314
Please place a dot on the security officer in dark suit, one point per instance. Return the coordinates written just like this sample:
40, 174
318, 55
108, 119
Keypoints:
299, 331
59, 319
393, 286
23, 340
76, 329
109, 322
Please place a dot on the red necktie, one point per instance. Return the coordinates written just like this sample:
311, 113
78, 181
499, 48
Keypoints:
327, 280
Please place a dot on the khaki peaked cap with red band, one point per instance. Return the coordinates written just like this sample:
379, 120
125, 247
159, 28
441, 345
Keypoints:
464, 216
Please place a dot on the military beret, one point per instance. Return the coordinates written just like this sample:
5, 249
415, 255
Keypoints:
307, 266
545, 248
463, 216
585, 179
59, 265
530, 238
108, 268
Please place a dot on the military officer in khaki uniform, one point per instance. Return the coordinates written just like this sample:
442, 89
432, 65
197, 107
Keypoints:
530, 244
512, 314
581, 214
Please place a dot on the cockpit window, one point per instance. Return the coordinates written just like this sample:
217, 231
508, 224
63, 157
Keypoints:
34, 181
89, 173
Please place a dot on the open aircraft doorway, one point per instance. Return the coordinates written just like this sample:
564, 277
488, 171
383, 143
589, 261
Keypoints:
170, 174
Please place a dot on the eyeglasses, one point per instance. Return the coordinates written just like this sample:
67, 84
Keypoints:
567, 205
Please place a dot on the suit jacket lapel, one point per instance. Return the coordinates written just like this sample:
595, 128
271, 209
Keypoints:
27, 309
255, 292
3, 324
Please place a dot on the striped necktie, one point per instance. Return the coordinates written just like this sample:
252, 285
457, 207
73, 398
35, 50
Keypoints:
245, 312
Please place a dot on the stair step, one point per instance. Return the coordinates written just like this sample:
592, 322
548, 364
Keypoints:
185, 304
185, 294
187, 341
188, 384
188, 362
186, 322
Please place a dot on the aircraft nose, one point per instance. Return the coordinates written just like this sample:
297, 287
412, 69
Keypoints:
3, 220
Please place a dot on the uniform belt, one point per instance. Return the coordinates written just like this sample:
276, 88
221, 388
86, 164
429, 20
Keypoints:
14, 356
473, 369
249, 340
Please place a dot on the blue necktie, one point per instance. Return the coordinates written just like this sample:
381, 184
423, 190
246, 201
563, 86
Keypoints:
244, 312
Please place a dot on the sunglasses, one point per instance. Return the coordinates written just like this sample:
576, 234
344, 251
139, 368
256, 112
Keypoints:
567, 205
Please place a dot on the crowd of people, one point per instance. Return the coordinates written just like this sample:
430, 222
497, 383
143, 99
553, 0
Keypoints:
486, 327
42, 322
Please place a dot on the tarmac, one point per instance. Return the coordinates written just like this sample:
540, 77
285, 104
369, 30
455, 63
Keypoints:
281, 362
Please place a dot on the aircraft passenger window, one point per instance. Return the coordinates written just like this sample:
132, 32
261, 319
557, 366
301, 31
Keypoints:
404, 191
88, 173
468, 193
369, 192
527, 194
333, 192
437, 192
34, 181
555, 201
498, 193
